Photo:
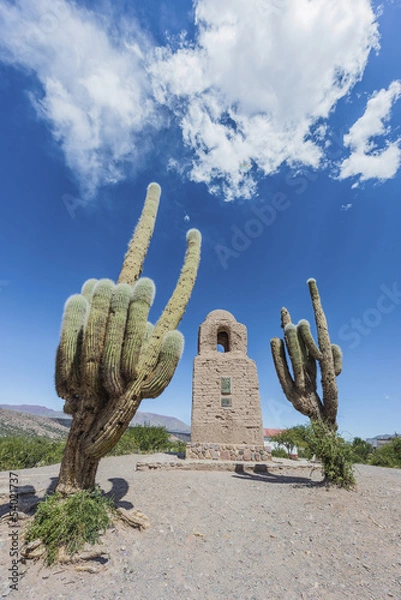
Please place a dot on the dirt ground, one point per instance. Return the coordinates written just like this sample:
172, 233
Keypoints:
228, 535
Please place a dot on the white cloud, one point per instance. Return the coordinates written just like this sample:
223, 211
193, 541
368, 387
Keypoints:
96, 96
367, 160
260, 75
345, 207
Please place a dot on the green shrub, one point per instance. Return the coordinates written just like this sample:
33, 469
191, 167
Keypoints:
143, 438
70, 522
334, 452
25, 452
178, 447
361, 451
388, 455
279, 453
291, 438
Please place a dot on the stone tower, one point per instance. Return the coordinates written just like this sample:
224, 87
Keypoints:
226, 411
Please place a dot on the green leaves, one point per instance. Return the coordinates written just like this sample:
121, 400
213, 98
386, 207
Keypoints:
70, 522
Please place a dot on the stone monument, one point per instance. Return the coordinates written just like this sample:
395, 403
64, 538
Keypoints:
226, 412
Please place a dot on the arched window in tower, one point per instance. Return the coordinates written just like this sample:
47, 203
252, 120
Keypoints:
222, 342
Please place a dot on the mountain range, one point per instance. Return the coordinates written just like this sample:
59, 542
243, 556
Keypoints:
141, 418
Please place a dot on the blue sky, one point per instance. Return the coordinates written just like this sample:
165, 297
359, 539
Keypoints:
272, 126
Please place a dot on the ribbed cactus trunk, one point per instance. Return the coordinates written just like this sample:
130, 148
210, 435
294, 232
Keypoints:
78, 469
300, 387
110, 357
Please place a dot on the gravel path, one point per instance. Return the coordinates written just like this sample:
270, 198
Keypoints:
226, 535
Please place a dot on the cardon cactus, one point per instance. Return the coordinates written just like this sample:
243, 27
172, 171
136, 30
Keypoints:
110, 357
300, 388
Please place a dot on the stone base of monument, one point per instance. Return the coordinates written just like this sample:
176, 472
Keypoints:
236, 452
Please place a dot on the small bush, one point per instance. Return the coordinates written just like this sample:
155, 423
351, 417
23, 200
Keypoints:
334, 452
388, 455
361, 451
70, 522
178, 447
279, 453
25, 452
142, 438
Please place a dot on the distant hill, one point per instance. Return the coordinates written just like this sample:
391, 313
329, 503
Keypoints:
380, 440
13, 422
35, 409
170, 423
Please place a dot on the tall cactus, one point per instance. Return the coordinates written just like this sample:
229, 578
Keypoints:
110, 358
300, 388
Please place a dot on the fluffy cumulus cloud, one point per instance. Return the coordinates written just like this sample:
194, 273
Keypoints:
261, 74
250, 93
94, 92
369, 159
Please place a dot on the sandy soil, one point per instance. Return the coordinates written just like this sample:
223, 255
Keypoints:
226, 535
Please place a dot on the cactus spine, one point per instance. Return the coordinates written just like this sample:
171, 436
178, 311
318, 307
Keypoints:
300, 388
110, 357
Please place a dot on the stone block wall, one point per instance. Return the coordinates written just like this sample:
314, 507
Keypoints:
237, 452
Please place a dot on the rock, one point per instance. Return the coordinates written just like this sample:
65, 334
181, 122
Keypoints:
86, 568
35, 549
134, 518
247, 455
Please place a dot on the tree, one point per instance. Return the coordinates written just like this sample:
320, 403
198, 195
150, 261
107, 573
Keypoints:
301, 387
288, 439
388, 455
361, 450
110, 358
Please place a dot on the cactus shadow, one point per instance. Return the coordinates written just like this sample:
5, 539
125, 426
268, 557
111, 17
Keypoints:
261, 473
118, 490
29, 498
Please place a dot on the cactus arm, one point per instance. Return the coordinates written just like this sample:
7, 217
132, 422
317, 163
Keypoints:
139, 244
114, 422
117, 419
170, 354
337, 359
306, 334
320, 318
87, 288
280, 362
296, 356
329, 384
285, 317
142, 299
112, 379
118, 414
69, 350
177, 304
146, 338
94, 335
304, 403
